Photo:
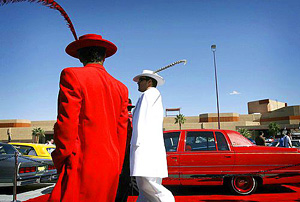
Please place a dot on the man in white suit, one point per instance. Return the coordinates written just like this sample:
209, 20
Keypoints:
148, 161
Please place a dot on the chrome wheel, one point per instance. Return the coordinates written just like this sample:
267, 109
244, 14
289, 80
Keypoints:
243, 185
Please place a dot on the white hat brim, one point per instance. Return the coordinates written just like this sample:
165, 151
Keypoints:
159, 79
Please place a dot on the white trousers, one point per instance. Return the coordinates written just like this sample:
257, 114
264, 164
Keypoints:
151, 190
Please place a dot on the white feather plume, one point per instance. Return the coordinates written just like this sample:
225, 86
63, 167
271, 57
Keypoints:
170, 65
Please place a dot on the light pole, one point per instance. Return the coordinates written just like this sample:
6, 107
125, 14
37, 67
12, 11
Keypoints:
213, 48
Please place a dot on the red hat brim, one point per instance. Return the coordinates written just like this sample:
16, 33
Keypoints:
91, 40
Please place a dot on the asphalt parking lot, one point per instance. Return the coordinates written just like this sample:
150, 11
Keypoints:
182, 194
288, 193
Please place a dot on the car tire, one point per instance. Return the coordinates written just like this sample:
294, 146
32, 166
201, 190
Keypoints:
243, 185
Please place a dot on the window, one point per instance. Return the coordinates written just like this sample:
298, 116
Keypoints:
296, 143
221, 142
171, 141
237, 140
200, 141
50, 150
26, 150
6, 149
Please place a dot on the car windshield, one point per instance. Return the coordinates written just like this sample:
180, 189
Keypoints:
6, 149
238, 140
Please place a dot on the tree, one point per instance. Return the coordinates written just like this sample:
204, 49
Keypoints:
180, 119
38, 132
245, 132
274, 128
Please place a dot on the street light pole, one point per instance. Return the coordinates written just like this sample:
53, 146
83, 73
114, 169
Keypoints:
213, 48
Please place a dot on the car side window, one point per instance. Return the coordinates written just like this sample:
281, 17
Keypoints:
200, 141
2, 150
32, 152
171, 141
221, 142
26, 150
7, 149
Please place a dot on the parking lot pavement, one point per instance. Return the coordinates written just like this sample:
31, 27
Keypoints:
286, 193
25, 192
266, 193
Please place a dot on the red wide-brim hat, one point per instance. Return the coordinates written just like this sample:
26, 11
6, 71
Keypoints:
91, 40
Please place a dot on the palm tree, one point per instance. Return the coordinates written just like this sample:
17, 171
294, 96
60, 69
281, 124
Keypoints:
180, 119
245, 132
274, 128
38, 132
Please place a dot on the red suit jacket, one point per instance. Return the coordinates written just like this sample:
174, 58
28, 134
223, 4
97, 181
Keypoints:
90, 135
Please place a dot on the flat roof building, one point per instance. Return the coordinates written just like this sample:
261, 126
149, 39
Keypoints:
260, 114
264, 106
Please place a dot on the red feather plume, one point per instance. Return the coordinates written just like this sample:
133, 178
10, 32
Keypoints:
51, 4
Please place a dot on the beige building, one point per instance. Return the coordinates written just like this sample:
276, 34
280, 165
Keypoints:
21, 130
262, 113
264, 106
228, 121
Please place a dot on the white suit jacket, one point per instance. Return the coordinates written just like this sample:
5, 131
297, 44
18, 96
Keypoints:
147, 150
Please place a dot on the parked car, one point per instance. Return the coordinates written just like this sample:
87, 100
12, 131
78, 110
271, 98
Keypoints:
269, 140
296, 135
251, 140
296, 143
275, 143
29, 170
40, 151
224, 157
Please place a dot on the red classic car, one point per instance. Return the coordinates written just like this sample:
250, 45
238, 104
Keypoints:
224, 157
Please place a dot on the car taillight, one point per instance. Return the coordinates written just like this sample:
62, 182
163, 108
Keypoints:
27, 169
51, 167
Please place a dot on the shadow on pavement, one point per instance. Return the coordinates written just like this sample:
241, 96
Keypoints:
47, 191
221, 190
21, 189
274, 189
197, 190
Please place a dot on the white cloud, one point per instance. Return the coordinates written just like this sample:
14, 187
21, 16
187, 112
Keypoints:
234, 93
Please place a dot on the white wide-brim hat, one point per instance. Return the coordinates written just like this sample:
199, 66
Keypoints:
160, 80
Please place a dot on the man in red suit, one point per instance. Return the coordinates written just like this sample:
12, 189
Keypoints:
91, 128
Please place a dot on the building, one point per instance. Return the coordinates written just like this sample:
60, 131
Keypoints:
260, 114
264, 106
21, 130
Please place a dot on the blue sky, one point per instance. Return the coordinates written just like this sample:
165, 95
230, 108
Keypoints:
257, 53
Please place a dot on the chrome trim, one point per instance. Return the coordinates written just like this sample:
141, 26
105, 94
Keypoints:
204, 166
232, 153
207, 152
269, 153
266, 165
227, 166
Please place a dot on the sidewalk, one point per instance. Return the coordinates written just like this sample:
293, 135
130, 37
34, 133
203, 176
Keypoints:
28, 194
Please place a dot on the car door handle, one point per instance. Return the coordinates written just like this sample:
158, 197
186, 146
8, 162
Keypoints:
174, 158
227, 156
